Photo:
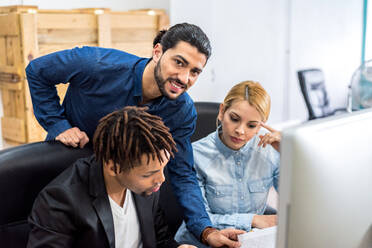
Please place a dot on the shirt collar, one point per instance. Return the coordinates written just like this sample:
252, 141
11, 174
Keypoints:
138, 71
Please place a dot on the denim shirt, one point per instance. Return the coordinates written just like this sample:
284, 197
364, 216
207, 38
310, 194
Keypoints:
103, 80
234, 184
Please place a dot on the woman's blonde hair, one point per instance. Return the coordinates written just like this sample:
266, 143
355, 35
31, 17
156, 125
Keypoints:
252, 92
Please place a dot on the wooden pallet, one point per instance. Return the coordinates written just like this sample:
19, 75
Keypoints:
27, 33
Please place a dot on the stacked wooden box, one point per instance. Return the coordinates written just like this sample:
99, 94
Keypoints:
27, 33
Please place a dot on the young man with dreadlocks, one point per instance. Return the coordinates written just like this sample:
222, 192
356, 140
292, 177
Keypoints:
103, 80
109, 199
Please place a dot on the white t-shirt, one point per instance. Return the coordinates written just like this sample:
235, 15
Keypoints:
126, 224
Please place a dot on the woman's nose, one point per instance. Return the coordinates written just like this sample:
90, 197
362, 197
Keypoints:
240, 130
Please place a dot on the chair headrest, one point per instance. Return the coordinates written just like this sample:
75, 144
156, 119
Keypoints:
26, 169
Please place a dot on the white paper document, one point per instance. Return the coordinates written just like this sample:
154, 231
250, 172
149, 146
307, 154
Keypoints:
259, 238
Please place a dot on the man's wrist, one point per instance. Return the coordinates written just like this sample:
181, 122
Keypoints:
206, 232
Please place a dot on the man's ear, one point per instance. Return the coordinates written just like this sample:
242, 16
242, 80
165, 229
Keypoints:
157, 52
110, 168
221, 112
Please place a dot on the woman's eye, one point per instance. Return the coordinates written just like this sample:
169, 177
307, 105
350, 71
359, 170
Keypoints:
252, 126
234, 119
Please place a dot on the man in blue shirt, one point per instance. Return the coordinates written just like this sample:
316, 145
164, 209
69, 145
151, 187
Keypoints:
104, 80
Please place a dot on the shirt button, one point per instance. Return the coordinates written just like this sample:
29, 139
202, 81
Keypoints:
240, 179
242, 197
238, 163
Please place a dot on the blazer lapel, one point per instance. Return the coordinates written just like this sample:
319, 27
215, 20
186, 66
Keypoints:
145, 218
101, 202
103, 210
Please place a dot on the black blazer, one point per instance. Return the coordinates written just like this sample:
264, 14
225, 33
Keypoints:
74, 211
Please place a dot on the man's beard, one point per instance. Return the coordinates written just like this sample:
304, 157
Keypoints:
160, 81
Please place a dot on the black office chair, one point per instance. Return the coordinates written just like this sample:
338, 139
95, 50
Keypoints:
24, 171
315, 94
206, 122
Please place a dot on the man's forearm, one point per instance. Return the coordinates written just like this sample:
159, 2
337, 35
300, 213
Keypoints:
188, 193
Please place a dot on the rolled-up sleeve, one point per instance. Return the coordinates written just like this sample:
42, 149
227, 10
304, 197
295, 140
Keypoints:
183, 176
44, 73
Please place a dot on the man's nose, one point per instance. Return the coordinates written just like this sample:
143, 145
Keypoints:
161, 178
184, 77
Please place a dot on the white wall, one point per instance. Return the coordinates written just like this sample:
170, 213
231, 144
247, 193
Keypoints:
247, 45
9, 2
269, 41
328, 35
115, 5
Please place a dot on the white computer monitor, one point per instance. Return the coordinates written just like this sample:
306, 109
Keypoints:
325, 188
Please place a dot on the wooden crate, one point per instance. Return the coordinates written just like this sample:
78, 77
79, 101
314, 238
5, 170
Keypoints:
27, 33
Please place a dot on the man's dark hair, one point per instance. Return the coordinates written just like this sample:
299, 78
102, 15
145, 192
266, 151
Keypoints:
125, 135
186, 32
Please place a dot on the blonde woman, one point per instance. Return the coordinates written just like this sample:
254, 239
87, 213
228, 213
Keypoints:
238, 163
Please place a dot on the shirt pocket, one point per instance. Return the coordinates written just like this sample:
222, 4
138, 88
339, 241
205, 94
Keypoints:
219, 198
258, 193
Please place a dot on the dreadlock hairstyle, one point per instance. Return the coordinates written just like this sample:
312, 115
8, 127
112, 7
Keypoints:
126, 134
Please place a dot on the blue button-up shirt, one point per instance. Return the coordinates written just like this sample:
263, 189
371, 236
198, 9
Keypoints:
102, 81
234, 184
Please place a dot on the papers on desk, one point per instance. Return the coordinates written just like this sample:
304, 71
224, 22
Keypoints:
259, 238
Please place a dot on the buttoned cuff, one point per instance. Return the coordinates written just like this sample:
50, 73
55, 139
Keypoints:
58, 128
244, 221
197, 228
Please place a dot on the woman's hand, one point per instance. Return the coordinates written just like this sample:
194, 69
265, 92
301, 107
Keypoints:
273, 138
264, 221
